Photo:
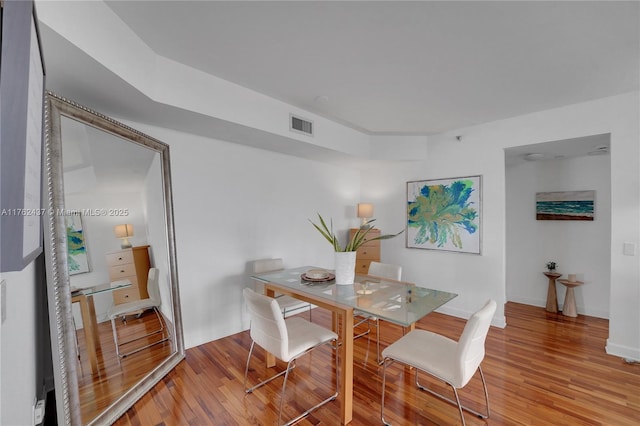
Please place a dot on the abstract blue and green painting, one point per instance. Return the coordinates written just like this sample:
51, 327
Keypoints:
444, 214
77, 259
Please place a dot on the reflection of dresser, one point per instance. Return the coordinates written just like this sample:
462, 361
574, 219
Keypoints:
130, 264
368, 252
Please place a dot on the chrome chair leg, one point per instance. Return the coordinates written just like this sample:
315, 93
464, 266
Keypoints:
457, 400
378, 360
366, 355
364, 333
284, 386
486, 394
246, 368
115, 338
308, 411
264, 382
118, 344
367, 333
290, 366
384, 381
455, 392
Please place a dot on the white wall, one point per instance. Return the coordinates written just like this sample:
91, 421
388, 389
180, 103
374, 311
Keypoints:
576, 246
474, 278
18, 348
235, 204
481, 152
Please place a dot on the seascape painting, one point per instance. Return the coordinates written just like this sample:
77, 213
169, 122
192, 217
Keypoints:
565, 205
78, 261
444, 214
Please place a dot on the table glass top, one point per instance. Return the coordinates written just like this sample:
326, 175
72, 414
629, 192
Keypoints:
399, 302
101, 288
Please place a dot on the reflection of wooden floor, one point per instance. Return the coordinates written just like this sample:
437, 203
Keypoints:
100, 390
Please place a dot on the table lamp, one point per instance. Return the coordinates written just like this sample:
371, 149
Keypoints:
124, 232
365, 212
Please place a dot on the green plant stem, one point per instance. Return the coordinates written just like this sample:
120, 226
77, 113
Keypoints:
357, 240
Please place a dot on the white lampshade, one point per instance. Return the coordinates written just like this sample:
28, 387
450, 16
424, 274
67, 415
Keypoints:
124, 232
365, 210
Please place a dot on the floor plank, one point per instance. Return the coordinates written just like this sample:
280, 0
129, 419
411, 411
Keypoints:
542, 369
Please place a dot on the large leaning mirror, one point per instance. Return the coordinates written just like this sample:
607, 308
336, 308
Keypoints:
111, 263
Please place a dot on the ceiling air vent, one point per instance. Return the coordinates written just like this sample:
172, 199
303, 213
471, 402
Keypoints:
299, 124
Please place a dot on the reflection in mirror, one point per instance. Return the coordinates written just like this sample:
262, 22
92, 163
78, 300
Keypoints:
111, 263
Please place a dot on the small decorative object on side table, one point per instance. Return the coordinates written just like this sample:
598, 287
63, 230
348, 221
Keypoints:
552, 296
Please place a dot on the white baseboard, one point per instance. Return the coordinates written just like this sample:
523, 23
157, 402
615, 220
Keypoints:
625, 352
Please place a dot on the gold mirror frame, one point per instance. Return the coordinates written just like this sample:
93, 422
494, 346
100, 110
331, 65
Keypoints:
55, 245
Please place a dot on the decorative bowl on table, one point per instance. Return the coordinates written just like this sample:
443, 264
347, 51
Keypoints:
317, 275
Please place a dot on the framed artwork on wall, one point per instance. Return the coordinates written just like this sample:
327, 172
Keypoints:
565, 205
445, 214
78, 259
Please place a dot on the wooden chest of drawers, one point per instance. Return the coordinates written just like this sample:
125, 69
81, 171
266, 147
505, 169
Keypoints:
130, 264
368, 252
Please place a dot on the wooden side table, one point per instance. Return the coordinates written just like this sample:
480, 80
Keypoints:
569, 307
552, 296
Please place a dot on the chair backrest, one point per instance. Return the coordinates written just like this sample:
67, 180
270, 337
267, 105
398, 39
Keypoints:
385, 270
471, 343
268, 328
262, 266
267, 265
153, 287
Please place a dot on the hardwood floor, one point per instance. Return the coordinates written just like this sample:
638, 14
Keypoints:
98, 391
542, 369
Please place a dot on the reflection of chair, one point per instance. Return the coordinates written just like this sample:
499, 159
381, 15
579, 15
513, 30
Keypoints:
139, 306
452, 362
287, 339
287, 304
382, 270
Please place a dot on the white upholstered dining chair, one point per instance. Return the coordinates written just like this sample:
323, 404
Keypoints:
138, 306
287, 339
287, 304
382, 270
452, 362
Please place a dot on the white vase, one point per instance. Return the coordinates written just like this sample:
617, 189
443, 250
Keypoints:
345, 267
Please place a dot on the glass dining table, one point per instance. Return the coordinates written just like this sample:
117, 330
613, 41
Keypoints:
399, 302
84, 297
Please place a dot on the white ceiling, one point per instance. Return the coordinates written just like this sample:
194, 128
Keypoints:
403, 67
381, 67
559, 150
